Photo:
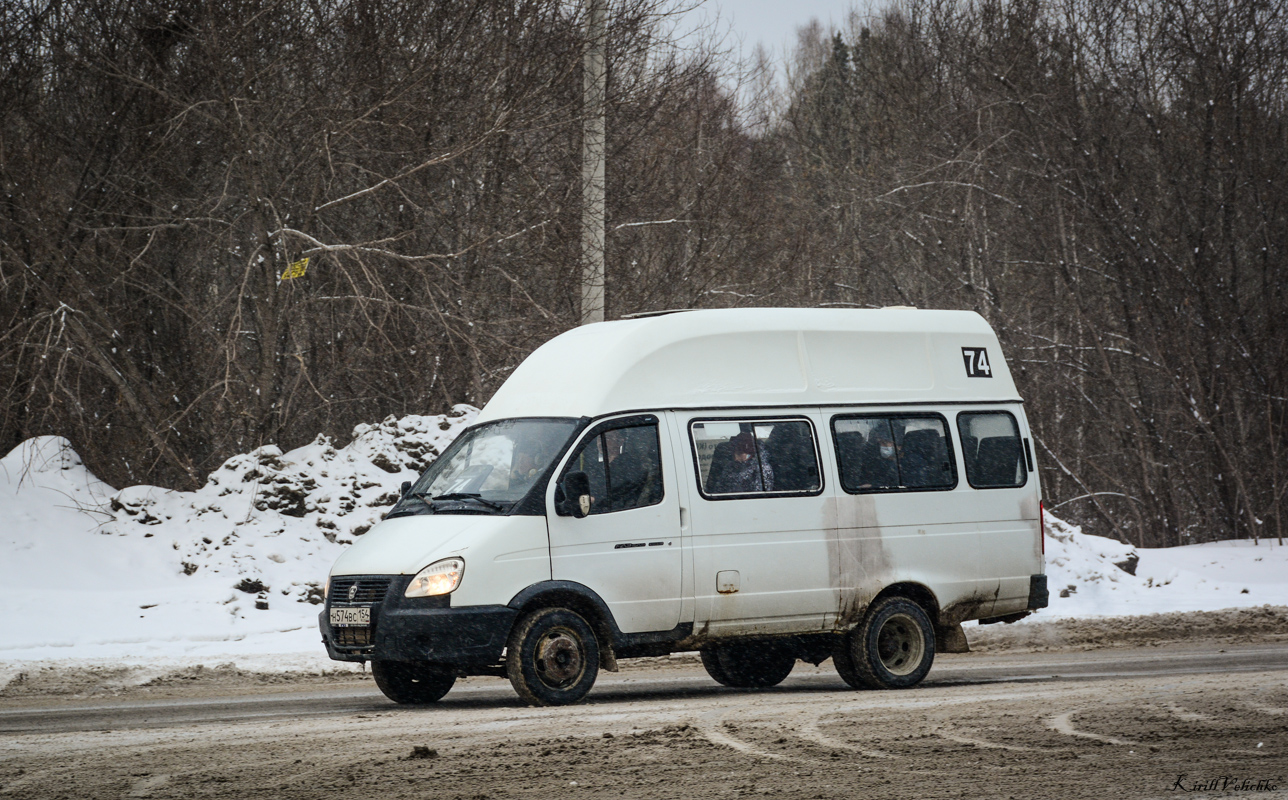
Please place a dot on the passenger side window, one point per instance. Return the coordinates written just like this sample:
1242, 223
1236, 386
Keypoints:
883, 453
737, 458
992, 449
624, 466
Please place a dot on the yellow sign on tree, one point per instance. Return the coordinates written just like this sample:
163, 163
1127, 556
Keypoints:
296, 269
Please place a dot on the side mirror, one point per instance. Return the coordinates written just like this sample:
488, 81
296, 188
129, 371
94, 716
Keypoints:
406, 487
576, 494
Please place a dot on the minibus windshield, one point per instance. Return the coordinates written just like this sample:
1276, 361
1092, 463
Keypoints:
491, 467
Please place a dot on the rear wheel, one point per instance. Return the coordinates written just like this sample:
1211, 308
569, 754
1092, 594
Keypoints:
892, 648
748, 665
711, 663
552, 657
411, 683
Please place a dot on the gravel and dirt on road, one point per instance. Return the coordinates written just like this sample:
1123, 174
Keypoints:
658, 729
53, 679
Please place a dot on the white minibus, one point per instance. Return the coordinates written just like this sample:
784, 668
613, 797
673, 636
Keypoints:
758, 485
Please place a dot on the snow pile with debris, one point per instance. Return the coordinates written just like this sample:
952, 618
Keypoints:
1091, 576
234, 570
234, 567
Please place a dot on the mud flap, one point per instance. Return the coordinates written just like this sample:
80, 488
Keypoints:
951, 639
607, 658
1038, 595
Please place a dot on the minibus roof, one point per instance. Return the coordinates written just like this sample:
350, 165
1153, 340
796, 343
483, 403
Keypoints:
758, 357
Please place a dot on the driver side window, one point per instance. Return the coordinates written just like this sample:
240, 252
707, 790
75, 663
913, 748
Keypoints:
624, 465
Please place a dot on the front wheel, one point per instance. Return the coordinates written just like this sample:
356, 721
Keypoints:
552, 657
410, 683
892, 648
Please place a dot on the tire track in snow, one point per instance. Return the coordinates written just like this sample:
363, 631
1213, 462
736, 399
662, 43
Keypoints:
1062, 723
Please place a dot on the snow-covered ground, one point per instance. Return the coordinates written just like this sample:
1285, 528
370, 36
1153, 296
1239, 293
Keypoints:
232, 571
1085, 581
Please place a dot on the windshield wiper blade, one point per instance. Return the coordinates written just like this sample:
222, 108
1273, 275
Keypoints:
470, 496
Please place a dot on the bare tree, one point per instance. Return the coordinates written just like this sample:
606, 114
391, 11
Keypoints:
163, 165
1095, 177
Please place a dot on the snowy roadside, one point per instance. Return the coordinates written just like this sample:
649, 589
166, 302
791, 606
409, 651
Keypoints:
158, 582
230, 572
1091, 576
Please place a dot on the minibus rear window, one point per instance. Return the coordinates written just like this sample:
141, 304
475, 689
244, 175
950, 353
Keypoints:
892, 453
992, 449
748, 458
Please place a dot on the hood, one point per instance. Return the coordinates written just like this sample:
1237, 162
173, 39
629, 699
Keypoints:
405, 545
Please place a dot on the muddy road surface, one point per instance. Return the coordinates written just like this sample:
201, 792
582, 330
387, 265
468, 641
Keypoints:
1193, 720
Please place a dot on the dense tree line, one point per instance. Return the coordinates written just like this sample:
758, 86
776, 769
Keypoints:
162, 163
1102, 179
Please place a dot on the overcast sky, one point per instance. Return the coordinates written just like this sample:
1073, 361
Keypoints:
774, 22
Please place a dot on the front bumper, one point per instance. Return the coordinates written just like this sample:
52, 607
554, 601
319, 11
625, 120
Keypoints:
423, 629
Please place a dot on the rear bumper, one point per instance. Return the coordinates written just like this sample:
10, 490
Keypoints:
425, 630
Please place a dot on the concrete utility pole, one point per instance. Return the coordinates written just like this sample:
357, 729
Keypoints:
594, 80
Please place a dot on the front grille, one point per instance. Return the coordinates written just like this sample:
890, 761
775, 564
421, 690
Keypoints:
369, 590
352, 637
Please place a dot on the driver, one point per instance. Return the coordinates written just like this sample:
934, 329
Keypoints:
632, 467
526, 464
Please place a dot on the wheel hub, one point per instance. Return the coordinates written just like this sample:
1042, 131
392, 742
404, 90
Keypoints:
900, 645
559, 659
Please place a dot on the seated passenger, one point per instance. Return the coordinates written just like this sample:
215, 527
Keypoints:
879, 464
791, 457
749, 470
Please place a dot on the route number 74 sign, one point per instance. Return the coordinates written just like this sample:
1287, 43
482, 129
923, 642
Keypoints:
977, 365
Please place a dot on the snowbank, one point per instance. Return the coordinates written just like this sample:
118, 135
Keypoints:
1091, 576
233, 571
234, 568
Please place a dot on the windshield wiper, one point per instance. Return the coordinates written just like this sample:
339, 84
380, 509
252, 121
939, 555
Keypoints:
474, 496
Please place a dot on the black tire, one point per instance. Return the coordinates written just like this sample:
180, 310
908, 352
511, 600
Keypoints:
893, 648
410, 683
552, 657
748, 665
711, 663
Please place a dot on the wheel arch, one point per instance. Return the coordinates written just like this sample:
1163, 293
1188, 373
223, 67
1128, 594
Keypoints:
950, 637
578, 598
917, 592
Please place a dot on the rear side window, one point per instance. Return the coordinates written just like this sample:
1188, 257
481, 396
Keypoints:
992, 449
890, 453
739, 458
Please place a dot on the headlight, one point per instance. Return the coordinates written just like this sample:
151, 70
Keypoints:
441, 577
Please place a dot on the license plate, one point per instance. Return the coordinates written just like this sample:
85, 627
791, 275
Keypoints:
350, 617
